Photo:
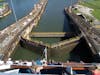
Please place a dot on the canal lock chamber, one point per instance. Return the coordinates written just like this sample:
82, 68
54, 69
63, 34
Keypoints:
55, 20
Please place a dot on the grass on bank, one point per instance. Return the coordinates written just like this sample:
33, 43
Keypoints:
1, 6
94, 4
2, 0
